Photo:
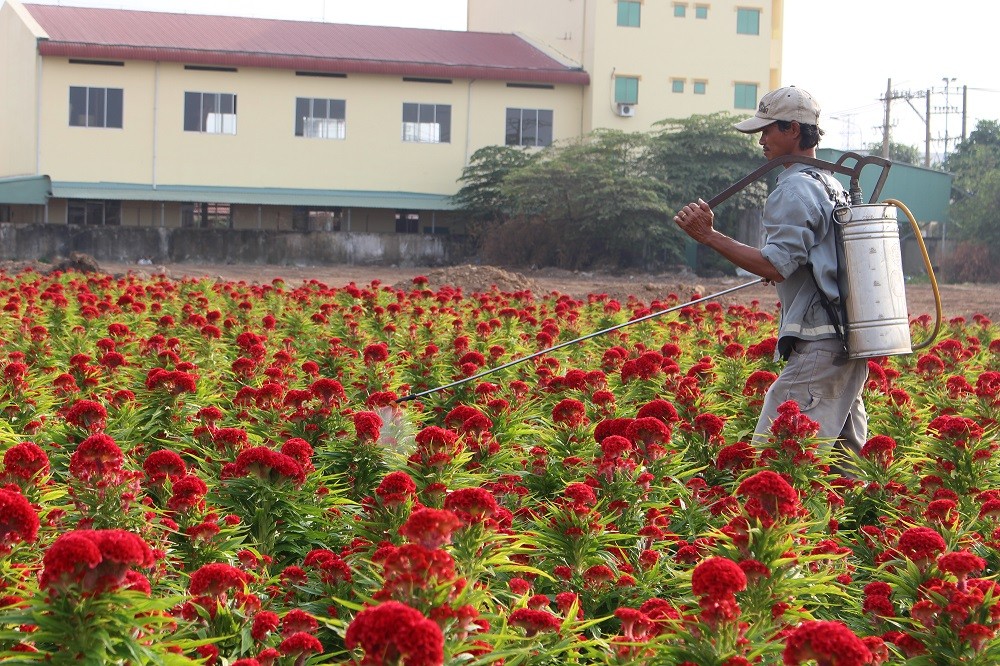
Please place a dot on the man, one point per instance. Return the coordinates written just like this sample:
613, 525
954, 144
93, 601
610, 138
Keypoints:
799, 255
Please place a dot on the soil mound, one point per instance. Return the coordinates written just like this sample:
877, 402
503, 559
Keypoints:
479, 279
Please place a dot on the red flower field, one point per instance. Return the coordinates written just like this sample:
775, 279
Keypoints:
205, 471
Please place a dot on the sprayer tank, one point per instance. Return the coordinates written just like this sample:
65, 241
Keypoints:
872, 282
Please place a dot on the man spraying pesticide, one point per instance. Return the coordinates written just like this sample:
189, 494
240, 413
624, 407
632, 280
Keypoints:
799, 256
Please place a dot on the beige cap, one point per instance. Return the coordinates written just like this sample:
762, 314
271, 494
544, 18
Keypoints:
788, 104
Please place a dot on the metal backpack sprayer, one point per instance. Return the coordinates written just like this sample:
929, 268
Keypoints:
870, 312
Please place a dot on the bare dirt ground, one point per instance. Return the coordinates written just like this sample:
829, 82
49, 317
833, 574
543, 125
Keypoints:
963, 300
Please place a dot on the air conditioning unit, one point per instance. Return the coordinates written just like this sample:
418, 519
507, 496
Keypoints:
626, 110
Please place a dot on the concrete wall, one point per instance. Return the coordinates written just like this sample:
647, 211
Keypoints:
244, 246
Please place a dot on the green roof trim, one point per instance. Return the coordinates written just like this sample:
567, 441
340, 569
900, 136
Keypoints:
252, 195
32, 190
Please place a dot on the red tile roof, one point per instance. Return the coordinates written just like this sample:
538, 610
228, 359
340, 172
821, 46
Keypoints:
80, 32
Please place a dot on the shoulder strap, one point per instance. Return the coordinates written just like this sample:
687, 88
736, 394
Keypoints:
835, 311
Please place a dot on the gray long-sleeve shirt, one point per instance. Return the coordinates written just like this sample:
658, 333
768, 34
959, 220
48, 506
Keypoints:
800, 231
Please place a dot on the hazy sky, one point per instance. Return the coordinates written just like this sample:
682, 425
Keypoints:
842, 51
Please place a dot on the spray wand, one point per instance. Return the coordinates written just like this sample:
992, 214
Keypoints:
574, 341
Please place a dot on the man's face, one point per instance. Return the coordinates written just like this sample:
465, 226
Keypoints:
777, 143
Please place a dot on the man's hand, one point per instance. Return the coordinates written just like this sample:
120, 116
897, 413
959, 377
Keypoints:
695, 219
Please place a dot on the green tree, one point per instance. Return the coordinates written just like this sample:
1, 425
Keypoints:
701, 156
481, 196
599, 201
898, 152
976, 187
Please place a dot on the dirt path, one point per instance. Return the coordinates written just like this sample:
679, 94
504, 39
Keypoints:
958, 299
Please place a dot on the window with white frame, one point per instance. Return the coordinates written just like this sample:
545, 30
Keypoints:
95, 107
426, 123
320, 118
211, 113
529, 127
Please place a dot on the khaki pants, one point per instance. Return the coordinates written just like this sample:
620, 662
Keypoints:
827, 387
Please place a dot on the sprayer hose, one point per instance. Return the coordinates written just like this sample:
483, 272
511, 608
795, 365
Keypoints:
930, 273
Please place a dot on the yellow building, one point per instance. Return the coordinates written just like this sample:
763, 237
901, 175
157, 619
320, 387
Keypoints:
650, 60
179, 122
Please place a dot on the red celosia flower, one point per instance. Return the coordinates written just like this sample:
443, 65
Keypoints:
976, 635
95, 560
329, 391
434, 440
188, 492
920, 544
569, 412
580, 495
376, 353
24, 461
173, 382
367, 426
18, 520
648, 431
300, 450
598, 575
636, 625
268, 465
879, 449
395, 488
792, 424
216, 579
163, 464
878, 605
709, 426
471, 505
960, 564
955, 429
718, 577
231, 439
534, 621
431, 528
737, 457
768, 496
87, 414
297, 620
264, 623
393, 633
828, 643
332, 568
96, 458
757, 383
658, 409
299, 645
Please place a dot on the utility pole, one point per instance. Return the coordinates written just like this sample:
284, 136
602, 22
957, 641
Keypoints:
947, 112
890, 95
927, 135
885, 125
965, 109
